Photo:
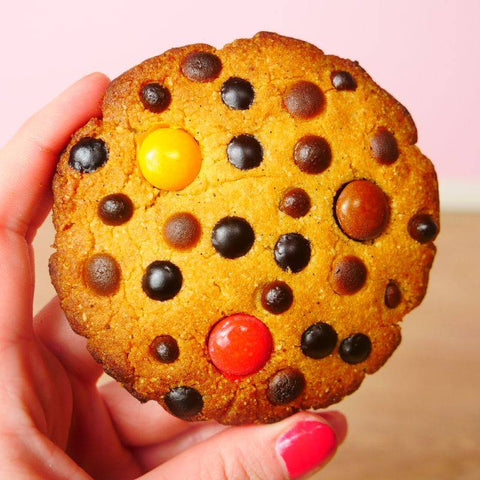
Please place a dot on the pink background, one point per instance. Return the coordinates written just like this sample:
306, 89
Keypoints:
425, 52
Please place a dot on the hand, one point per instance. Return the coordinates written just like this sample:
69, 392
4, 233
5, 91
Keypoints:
55, 422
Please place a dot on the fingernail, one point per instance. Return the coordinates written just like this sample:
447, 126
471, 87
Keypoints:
306, 447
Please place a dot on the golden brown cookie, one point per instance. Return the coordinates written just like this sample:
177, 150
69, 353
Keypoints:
240, 235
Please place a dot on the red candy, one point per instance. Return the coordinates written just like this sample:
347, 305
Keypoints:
240, 345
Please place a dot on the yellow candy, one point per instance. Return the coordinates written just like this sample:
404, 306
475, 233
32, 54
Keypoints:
169, 158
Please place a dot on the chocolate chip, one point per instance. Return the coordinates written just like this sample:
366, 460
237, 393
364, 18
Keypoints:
384, 146
393, 296
164, 348
295, 202
182, 231
285, 386
319, 340
422, 228
184, 402
233, 237
312, 154
162, 280
115, 209
292, 252
245, 152
343, 80
362, 210
304, 100
237, 93
355, 349
348, 275
155, 97
102, 274
201, 66
277, 297
88, 155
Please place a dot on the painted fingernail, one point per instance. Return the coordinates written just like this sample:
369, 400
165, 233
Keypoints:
306, 447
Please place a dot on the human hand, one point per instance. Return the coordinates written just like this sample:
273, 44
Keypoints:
55, 421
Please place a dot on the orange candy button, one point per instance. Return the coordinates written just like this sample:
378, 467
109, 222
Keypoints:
240, 345
169, 158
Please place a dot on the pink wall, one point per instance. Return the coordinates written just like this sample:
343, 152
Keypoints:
425, 52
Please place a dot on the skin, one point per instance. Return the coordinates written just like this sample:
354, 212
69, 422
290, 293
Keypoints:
55, 421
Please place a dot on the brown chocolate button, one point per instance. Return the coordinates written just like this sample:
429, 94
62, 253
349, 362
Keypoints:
295, 202
201, 66
184, 402
164, 348
312, 154
362, 210
277, 297
285, 386
355, 348
115, 209
393, 296
343, 81
304, 100
422, 228
384, 146
102, 274
182, 231
348, 275
155, 97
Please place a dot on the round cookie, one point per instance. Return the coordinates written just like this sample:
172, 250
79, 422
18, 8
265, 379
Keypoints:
241, 243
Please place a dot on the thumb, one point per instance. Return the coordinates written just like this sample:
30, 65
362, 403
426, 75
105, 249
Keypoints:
289, 449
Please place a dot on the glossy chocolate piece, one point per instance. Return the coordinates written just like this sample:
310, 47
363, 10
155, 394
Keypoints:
201, 66
245, 152
393, 295
184, 402
102, 274
292, 252
277, 297
423, 228
232, 237
304, 100
355, 348
182, 231
285, 386
165, 349
384, 146
342, 80
295, 203
312, 154
349, 275
237, 93
319, 340
115, 209
155, 97
88, 155
162, 280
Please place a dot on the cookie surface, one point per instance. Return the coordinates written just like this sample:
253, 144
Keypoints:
265, 268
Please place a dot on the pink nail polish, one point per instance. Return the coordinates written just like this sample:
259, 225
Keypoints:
306, 446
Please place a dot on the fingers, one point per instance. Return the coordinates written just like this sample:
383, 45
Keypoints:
28, 161
140, 424
52, 328
289, 449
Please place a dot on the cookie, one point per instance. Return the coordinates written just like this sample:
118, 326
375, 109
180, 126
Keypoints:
241, 233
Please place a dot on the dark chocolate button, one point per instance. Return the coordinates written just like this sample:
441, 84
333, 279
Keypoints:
245, 152
355, 349
384, 146
319, 340
343, 80
165, 349
102, 274
362, 210
115, 209
295, 202
232, 237
277, 297
348, 275
292, 252
162, 280
285, 386
237, 93
88, 155
201, 66
393, 296
422, 228
182, 231
312, 154
184, 402
304, 100
155, 97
